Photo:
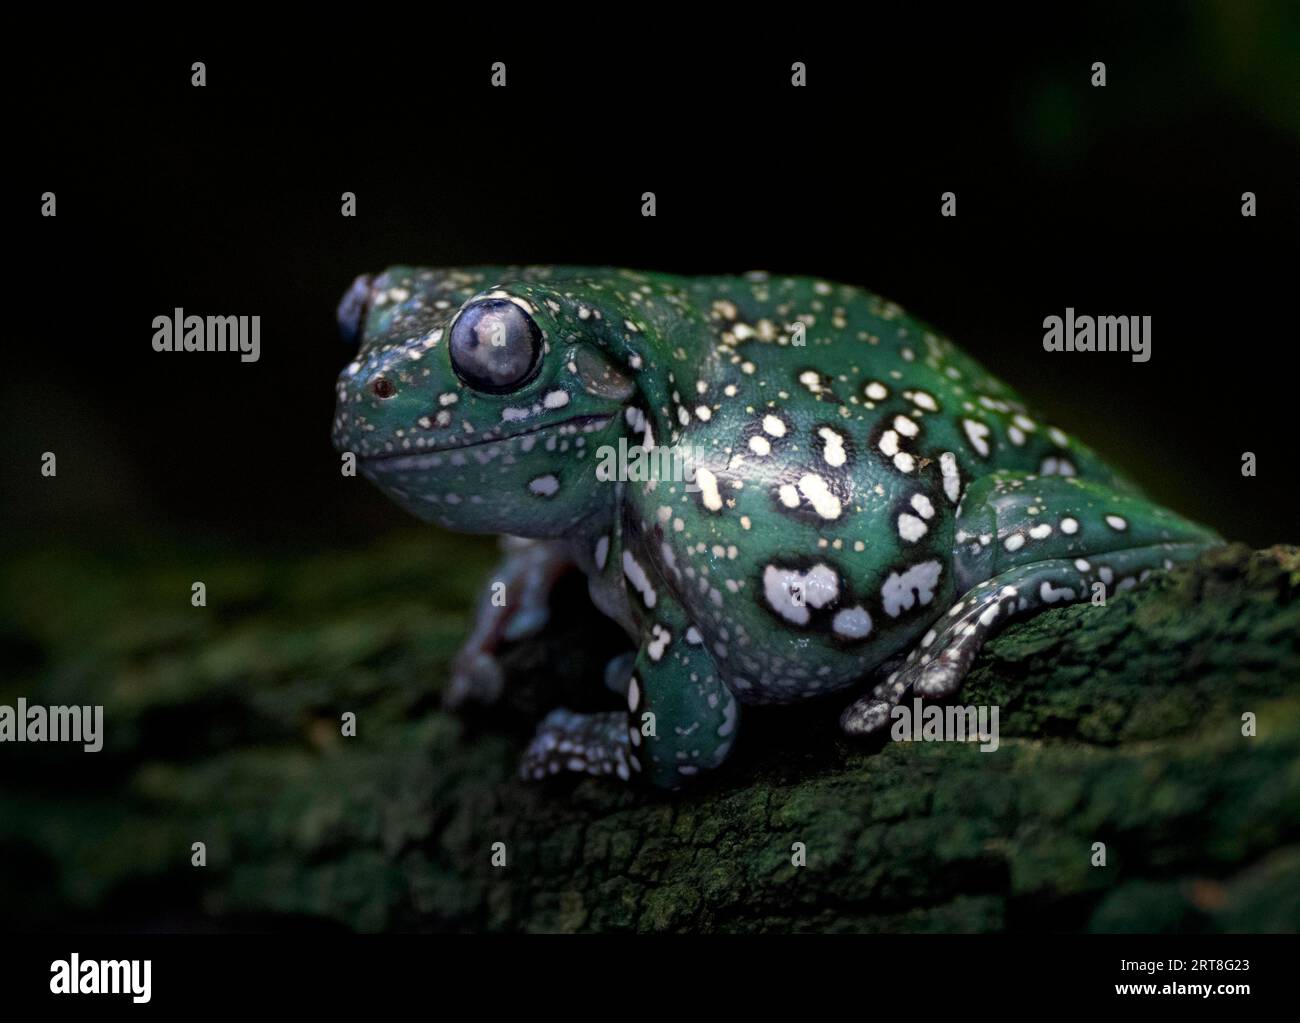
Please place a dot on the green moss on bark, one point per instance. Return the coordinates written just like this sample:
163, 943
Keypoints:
1119, 724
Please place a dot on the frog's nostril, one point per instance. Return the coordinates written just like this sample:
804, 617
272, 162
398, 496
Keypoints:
383, 388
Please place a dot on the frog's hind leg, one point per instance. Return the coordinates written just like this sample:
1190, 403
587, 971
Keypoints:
1024, 544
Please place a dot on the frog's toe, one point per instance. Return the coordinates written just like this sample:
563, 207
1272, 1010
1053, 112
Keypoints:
866, 717
588, 743
618, 673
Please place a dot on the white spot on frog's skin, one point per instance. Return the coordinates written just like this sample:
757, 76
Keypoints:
876, 391
923, 400
1053, 466
448, 399
1069, 526
824, 503
639, 580
851, 623
708, 484
833, 453
602, 552
977, 433
1014, 542
1116, 522
1051, 596
1082, 565
907, 427
774, 426
901, 592
556, 399
661, 638
760, 445
1106, 575
693, 636
910, 528
904, 462
633, 694
1017, 435
728, 720
922, 504
1041, 531
951, 476
789, 496
812, 380
703, 413
990, 615
819, 585
889, 443
1058, 437
634, 361
544, 486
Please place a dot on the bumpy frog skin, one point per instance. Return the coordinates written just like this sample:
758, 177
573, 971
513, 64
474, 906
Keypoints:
869, 505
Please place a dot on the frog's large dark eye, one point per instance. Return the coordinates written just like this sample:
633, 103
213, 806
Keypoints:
495, 346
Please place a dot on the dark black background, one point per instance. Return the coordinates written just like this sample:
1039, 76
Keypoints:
226, 199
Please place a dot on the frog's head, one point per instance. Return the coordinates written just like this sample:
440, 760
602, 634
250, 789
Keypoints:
478, 398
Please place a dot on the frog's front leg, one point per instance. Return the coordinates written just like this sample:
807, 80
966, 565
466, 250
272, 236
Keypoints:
681, 718
515, 606
1024, 544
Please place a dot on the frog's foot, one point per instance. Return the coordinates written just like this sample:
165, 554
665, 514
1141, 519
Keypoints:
1081, 547
590, 743
515, 606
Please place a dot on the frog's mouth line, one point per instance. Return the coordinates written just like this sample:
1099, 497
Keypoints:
408, 459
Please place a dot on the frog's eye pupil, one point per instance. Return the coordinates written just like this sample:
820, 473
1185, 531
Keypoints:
383, 388
495, 346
